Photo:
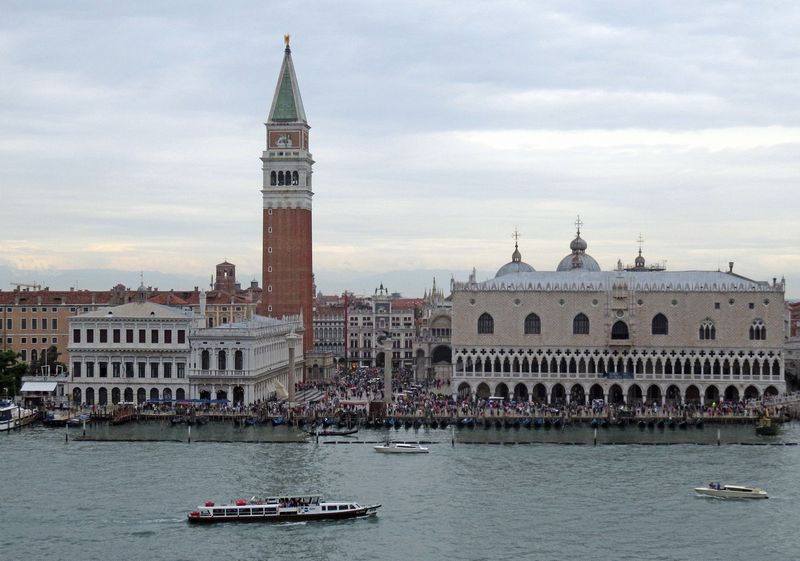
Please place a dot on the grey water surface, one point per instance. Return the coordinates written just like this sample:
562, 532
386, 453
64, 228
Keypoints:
496, 494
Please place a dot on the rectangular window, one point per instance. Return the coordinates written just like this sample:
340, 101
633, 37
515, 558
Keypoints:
181, 370
103, 368
117, 333
33, 323
23, 354
154, 335
76, 335
90, 369
154, 370
55, 324
142, 369
142, 336
181, 336
167, 370
90, 335
115, 369
168, 336
24, 323
76, 369
34, 339
104, 335
9, 324
129, 370
129, 335
44, 323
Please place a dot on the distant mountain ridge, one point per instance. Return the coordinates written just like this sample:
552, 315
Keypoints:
410, 284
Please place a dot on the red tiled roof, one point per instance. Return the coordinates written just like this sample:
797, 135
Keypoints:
56, 297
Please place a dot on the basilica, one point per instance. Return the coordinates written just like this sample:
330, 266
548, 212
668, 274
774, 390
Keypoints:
631, 335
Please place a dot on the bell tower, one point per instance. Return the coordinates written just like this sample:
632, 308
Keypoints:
287, 167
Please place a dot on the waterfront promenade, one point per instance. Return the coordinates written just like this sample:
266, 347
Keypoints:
355, 398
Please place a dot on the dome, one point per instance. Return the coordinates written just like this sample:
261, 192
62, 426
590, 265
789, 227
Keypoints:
578, 259
515, 266
578, 244
578, 262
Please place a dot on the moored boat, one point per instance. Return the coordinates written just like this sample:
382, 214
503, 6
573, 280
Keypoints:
731, 491
13, 416
766, 426
329, 432
279, 509
401, 448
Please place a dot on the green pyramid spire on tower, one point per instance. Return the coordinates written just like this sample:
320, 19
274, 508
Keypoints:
287, 105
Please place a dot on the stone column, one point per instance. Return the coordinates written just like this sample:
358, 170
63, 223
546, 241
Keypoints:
387, 369
291, 340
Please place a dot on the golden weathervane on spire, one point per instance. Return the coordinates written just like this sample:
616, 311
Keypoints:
286, 37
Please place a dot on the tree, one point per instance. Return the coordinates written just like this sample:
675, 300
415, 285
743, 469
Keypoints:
11, 372
49, 358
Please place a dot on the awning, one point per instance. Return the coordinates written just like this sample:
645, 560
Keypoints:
38, 387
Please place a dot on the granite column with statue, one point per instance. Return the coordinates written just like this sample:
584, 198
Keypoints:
387, 369
291, 340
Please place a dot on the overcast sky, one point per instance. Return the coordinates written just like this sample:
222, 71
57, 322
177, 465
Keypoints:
130, 133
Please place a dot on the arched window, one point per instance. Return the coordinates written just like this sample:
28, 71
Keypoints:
660, 325
295, 178
758, 331
280, 178
580, 325
485, 323
707, 330
533, 325
619, 330
238, 360
204, 360
273, 178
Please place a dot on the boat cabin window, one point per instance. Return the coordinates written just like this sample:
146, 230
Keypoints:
231, 512
244, 511
258, 511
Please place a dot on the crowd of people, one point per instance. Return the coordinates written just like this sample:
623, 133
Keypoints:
351, 391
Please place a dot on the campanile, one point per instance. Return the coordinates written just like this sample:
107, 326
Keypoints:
286, 260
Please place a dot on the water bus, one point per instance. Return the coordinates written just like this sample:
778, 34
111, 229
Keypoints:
283, 508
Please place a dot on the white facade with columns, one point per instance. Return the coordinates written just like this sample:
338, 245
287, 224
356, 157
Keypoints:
245, 362
129, 353
630, 335
142, 351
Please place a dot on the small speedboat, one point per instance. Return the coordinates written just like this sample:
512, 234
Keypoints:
731, 491
401, 448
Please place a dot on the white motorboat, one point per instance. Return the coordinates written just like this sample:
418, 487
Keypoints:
731, 491
284, 508
401, 448
13, 416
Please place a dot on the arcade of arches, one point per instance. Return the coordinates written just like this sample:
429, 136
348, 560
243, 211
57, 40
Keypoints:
558, 393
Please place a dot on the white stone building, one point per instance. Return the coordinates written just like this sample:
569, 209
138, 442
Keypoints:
628, 335
130, 353
143, 351
247, 361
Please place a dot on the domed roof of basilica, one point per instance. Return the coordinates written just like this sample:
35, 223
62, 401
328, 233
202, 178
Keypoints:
516, 265
578, 260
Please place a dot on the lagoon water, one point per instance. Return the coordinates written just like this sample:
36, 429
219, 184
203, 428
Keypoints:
480, 499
